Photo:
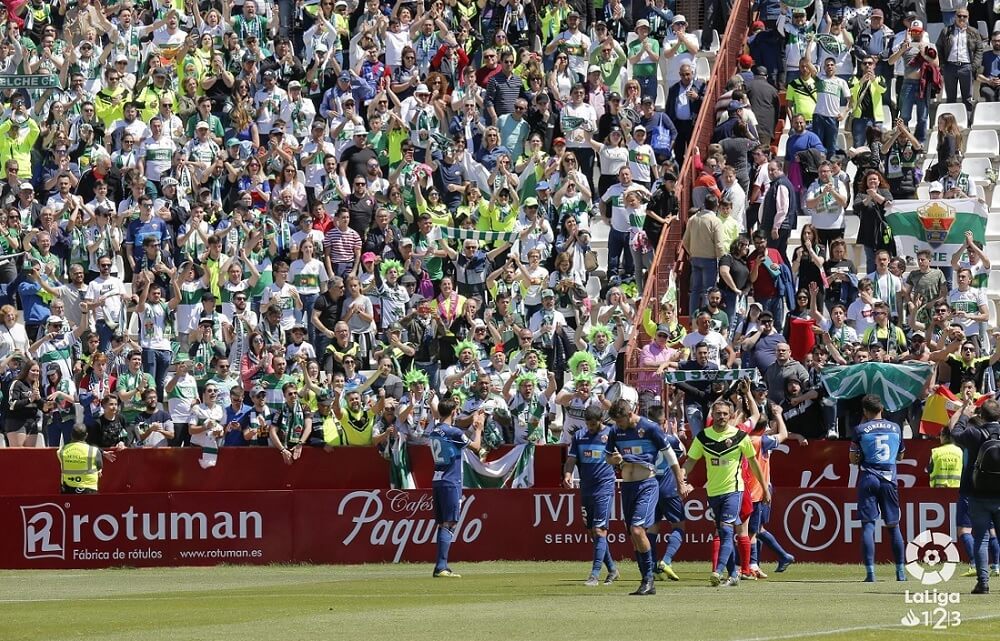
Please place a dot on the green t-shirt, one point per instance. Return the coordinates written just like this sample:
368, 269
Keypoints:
723, 453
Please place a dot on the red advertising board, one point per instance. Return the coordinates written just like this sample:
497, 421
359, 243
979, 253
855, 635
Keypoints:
378, 525
35, 472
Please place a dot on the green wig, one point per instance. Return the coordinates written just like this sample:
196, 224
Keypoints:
464, 345
581, 357
392, 264
597, 330
583, 377
526, 377
415, 376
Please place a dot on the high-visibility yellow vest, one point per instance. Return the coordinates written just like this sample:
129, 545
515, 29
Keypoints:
946, 466
79, 465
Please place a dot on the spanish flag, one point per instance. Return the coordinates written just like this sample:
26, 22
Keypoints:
939, 407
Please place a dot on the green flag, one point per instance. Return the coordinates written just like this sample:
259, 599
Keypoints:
400, 476
936, 225
898, 385
515, 469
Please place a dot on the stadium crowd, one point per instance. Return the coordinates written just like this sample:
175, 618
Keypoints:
222, 216
289, 223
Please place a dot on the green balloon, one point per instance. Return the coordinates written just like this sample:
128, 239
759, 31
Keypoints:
798, 4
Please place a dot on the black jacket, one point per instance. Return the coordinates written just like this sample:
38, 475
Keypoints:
970, 438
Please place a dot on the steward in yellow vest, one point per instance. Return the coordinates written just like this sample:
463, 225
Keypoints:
80, 463
945, 466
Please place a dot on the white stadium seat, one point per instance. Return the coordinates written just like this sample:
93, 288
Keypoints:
702, 69
977, 168
982, 142
923, 191
955, 108
986, 116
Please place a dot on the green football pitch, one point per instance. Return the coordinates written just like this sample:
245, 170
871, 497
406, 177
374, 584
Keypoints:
496, 601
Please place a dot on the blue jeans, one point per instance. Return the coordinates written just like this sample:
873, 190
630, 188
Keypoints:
704, 274
859, 131
59, 431
777, 309
104, 333
155, 363
618, 245
908, 99
985, 513
826, 127
869, 259
308, 300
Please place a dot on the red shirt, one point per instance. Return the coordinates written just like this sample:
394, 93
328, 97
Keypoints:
325, 223
765, 285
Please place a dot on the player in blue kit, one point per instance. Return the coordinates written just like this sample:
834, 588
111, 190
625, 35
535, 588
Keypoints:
634, 443
669, 506
876, 446
597, 487
447, 442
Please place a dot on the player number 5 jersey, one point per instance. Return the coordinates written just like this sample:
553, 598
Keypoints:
879, 442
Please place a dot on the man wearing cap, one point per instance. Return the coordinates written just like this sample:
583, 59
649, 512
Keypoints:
422, 117
961, 56
297, 112
798, 36
679, 47
684, 100
660, 130
17, 137
543, 119
269, 101
644, 56
915, 51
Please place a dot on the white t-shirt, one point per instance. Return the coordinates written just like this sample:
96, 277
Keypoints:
862, 314
970, 302
830, 94
113, 291
829, 214
715, 341
309, 278
282, 295
201, 414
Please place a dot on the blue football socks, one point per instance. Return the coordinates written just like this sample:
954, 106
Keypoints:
445, 537
673, 545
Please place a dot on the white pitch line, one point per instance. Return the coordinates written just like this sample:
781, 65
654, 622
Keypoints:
823, 633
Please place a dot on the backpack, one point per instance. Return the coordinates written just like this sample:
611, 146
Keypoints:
986, 472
